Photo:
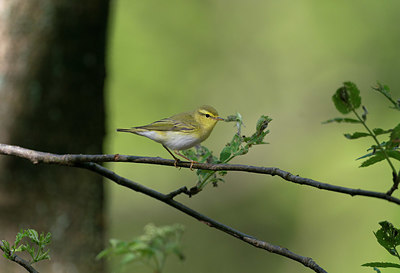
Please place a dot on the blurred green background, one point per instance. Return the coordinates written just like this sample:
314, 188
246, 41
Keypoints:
284, 59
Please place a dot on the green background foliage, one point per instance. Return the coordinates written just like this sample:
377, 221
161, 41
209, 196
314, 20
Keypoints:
283, 59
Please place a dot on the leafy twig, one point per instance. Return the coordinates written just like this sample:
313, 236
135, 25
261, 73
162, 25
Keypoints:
37, 253
347, 99
385, 90
389, 238
239, 145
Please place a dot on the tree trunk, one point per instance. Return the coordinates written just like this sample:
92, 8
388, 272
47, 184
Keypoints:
51, 99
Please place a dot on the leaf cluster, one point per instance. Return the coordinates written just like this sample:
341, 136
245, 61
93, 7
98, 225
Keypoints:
385, 90
152, 248
239, 145
389, 238
30, 241
347, 99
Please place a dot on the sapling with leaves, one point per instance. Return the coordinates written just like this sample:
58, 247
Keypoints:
347, 100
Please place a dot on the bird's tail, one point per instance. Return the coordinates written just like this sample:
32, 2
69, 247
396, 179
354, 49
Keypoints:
131, 130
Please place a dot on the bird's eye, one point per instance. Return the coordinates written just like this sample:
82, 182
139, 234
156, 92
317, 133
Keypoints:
207, 115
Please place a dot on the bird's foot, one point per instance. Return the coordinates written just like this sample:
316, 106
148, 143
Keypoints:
177, 160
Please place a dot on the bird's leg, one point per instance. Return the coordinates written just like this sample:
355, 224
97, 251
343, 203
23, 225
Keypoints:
176, 159
191, 161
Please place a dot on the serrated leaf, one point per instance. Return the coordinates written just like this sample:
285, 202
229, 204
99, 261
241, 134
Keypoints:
6, 245
382, 265
340, 120
33, 235
356, 135
388, 236
19, 237
47, 239
262, 123
372, 160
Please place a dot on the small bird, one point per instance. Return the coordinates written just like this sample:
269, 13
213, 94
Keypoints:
181, 131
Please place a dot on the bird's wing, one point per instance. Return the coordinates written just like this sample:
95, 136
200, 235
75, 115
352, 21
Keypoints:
169, 124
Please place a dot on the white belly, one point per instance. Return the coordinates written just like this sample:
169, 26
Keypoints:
173, 140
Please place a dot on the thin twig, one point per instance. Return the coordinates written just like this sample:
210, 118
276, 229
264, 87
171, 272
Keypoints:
306, 261
24, 263
70, 159
83, 161
395, 182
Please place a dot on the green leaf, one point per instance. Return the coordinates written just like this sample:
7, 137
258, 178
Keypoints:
395, 134
379, 156
355, 98
393, 154
388, 236
340, 120
380, 131
385, 90
43, 256
235, 143
128, 258
151, 248
225, 153
340, 99
19, 237
47, 239
367, 155
382, 265
33, 235
262, 124
347, 98
6, 245
356, 135
20, 248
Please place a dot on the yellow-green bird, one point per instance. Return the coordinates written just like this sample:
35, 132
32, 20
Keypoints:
181, 131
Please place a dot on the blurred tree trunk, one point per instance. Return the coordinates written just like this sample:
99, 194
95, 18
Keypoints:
51, 99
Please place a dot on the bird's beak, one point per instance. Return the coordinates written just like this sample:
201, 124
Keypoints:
218, 118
